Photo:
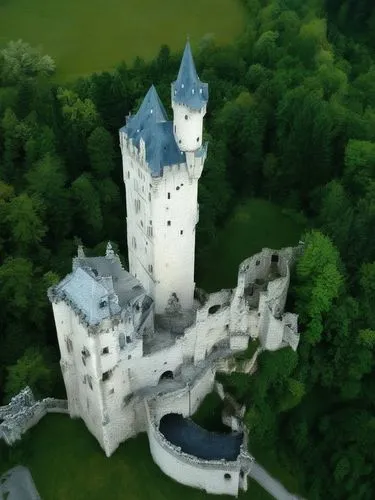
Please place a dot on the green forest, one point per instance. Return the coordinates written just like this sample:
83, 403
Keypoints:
291, 119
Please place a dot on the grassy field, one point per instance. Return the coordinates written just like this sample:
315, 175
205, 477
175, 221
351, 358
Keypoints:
66, 462
253, 225
93, 35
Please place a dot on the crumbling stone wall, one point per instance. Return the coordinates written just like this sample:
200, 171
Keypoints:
23, 412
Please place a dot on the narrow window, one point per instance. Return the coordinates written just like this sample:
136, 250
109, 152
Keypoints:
179, 141
181, 232
105, 350
186, 117
169, 196
197, 139
169, 223
149, 196
128, 175
112, 391
69, 345
121, 340
128, 339
106, 376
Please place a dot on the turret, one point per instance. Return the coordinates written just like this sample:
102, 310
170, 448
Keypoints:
189, 101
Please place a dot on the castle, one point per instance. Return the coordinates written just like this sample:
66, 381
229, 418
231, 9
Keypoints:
140, 349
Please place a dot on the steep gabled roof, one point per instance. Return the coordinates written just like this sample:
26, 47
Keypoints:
188, 89
151, 111
150, 124
98, 288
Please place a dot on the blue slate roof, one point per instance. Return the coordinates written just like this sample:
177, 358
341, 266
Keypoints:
98, 288
196, 441
188, 89
150, 124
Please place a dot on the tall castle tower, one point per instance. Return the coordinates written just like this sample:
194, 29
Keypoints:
162, 163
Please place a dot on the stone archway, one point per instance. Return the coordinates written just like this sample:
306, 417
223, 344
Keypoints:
167, 375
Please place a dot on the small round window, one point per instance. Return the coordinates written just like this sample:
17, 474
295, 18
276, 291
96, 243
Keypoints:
227, 476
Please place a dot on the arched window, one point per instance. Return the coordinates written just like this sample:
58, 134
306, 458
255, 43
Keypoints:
168, 375
214, 309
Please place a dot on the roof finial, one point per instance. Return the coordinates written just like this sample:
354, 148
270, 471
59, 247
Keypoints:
109, 253
80, 252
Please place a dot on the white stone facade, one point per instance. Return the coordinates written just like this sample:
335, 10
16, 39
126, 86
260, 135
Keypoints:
137, 346
162, 213
113, 409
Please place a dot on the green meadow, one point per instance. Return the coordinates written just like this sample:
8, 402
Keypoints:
93, 35
253, 225
66, 462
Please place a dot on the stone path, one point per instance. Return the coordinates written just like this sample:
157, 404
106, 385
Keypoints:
271, 485
17, 484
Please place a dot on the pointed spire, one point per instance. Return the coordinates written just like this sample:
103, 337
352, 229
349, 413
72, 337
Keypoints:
188, 89
152, 107
80, 252
187, 69
109, 251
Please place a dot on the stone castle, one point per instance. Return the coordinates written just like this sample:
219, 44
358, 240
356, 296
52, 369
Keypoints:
140, 349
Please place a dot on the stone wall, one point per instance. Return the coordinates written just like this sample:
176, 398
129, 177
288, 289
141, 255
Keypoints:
220, 477
23, 412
